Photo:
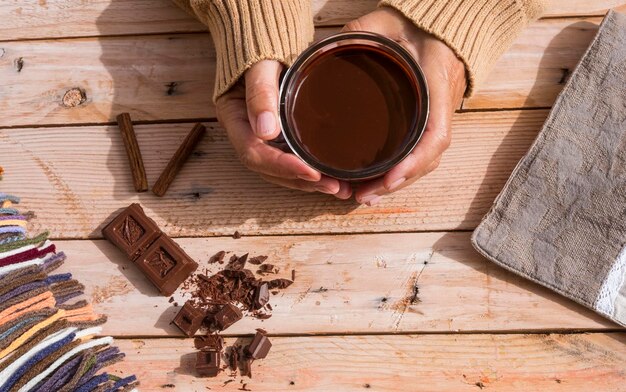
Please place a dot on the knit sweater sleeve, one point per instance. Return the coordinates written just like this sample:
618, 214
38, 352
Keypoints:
478, 31
246, 32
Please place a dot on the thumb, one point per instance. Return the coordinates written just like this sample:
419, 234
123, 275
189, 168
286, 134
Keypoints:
262, 98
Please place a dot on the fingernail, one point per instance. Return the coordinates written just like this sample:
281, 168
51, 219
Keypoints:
307, 177
370, 200
323, 189
396, 183
266, 123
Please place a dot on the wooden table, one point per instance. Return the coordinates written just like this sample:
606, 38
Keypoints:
346, 324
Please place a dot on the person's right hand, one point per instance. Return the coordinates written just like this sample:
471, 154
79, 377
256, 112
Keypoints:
249, 112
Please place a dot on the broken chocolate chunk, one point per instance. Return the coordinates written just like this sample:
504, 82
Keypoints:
218, 257
237, 263
267, 269
259, 347
279, 283
233, 362
189, 319
132, 231
213, 342
208, 363
261, 296
257, 260
227, 316
166, 264
246, 370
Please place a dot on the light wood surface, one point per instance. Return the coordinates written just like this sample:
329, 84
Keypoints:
81, 176
572, 363
344, 284
68, 67
169, 77
27, 19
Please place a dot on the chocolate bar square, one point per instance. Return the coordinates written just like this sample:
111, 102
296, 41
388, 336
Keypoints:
208, 363
189, 319
132, 231
166, 264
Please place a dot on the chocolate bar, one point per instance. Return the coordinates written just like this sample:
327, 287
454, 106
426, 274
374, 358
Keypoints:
163, 262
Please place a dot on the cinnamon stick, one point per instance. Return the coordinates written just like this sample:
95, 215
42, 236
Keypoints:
178, 160
140, 181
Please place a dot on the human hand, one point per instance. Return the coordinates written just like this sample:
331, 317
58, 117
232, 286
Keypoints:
249, 112
445, 75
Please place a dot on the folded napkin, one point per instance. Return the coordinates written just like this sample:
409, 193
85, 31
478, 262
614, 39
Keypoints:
561, 218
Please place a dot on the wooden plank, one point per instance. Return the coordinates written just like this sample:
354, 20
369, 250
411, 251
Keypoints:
573, 363
29, 19
75, 177
152, 77
534, 70
344, 284
168, 77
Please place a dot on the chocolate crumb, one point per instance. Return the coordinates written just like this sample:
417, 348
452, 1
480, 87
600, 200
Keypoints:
171, 300
243, 388
293, 275
175, 304
480, 384
292, 383
168, 386
367, 386
236, 235
19, 64
228, 382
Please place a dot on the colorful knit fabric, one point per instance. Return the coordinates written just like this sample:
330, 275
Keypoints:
48, 338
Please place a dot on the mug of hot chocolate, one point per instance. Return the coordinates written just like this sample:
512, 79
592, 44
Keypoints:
353, 105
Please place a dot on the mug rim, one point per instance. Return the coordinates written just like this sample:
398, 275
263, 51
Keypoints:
412, 68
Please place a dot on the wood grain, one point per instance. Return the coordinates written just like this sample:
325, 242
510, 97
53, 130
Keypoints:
29, 19
76, 177
573, 363
344, 284
169, 77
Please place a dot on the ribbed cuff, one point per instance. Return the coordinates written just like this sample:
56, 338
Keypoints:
246, 32
478, 31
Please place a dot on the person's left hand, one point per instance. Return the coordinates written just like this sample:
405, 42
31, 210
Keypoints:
445, 75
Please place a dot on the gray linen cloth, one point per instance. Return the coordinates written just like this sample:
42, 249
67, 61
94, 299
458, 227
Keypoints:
561, 218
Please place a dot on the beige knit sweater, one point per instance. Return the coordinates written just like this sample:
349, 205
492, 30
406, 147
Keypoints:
247, 31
